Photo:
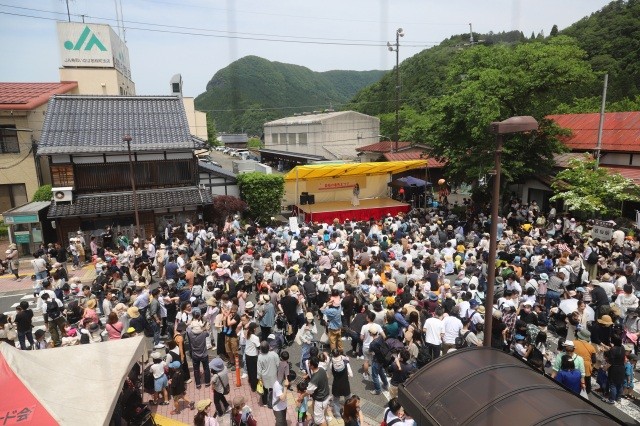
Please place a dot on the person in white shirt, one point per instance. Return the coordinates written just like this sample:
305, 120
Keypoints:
280, 402
367, 338
452, 327
434, 332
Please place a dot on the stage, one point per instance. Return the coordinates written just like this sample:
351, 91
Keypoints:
375, 208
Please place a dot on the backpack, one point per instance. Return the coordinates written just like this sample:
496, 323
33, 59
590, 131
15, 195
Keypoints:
461, 340
424, 356
382, 353
53, 310
384, 420
592, 259
470, 314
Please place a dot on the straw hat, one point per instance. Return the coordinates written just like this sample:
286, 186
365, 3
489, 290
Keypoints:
91, 304
605, 320
133, 312
203, 404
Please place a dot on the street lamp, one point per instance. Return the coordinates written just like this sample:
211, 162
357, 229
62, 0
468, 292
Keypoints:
399, 33
127, 139
499, 128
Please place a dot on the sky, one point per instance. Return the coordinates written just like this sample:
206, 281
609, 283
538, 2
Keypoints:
196, 38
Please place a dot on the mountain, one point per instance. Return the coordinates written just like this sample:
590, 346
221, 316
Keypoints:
253, 90
609, 37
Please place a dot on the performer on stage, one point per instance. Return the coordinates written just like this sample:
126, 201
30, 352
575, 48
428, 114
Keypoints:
355, 200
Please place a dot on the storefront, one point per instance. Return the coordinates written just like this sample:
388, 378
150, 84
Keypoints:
29, 227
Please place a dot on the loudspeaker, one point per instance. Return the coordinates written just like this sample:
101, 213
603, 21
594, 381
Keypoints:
311, 198
304, 198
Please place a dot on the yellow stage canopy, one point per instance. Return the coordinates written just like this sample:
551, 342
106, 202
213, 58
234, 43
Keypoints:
318, 171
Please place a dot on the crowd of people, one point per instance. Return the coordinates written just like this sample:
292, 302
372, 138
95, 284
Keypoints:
396, 293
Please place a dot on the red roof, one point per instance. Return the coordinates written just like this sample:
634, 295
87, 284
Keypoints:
27, 96
632, 173
414, 154
621, 131
383, 146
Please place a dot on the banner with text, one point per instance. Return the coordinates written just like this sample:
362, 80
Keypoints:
337, 184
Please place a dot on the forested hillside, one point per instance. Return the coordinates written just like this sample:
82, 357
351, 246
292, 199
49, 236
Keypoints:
253, 90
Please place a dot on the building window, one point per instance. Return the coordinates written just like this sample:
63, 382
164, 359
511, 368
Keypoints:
12, 195
9, 140
284, 139
302, 138
274, 139
62, 175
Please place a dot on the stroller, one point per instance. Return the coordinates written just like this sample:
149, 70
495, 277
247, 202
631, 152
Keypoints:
283, 328
277, 342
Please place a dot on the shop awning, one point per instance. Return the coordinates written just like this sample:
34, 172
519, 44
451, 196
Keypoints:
27, 213
351, 169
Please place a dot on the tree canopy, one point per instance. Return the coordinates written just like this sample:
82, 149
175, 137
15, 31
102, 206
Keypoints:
263, 194
486, 84
592, 190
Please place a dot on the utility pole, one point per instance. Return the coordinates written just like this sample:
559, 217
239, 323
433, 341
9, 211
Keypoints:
399, 33
134, 194
601, 124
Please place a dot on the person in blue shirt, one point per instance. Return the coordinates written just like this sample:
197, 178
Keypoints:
569, 376
333, 312
629, 366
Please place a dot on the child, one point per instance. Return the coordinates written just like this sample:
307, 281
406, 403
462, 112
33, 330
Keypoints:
40, 342
302, 403
283, 367
178, 390
160, 381
629, 367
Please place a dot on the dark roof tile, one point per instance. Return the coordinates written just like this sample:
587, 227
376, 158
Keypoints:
78, 124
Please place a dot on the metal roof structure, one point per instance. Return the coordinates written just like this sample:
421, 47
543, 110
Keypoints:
318, 171
383, 146
216, 170
291, 154
90, 124
414, 154
485, 386
312, 118
621, 131
122, 202
27, 96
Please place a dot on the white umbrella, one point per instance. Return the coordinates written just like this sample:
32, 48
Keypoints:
569, 306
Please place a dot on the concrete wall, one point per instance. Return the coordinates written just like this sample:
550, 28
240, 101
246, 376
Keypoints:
99, 81
333, 138
197, 119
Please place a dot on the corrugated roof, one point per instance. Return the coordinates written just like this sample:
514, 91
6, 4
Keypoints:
27, 96
351, 169
621, 131
79, 124
312, 118
632, 173
414, 154
122, 202
29, 208
292, 154
383, 146
563, 160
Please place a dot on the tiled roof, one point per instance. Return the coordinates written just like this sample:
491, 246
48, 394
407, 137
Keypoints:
383, 146
80, 124
414, 154
27, 96
122, 202
621, 131
215, 170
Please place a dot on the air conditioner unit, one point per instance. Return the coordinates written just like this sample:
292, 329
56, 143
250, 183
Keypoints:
62, 194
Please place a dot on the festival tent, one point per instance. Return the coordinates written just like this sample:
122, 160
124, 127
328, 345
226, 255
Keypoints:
72, 385
408, 182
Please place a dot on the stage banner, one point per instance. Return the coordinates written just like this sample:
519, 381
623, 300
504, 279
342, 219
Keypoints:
337, 184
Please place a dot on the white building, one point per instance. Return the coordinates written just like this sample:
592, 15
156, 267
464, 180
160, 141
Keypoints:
320, 136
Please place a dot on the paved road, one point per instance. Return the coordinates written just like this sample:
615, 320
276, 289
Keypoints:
12, 292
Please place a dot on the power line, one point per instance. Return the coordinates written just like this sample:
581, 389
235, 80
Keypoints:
225, 34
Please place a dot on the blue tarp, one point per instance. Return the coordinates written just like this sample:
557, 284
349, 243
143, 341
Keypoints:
409, 181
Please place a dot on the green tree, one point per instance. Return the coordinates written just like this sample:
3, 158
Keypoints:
554, 31
263, 193
254, 143
592, 190
487, 84
211, 131
42, 194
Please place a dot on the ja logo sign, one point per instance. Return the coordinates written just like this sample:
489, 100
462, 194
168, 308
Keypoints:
93, 41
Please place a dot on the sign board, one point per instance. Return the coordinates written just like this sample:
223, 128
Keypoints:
92, 45
293, 224
21, 237
338, 183
602, 230
21, 219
